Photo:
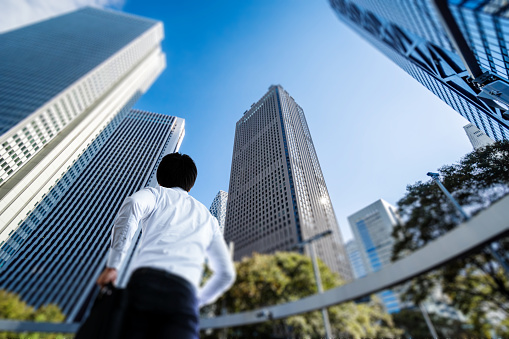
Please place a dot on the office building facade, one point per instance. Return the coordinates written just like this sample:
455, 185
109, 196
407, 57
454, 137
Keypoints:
371, 250
63, 81
354, 255
477, 138
218, 208
59, 250
372, 229
410, 34
277, 196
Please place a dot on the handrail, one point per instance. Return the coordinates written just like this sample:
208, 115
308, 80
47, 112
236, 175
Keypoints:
480, 230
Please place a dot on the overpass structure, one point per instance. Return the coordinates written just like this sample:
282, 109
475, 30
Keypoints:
468, 237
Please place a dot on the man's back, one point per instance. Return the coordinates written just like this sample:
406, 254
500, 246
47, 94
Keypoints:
178, 234
175, 234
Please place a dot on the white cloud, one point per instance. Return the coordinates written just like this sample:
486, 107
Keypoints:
17, 13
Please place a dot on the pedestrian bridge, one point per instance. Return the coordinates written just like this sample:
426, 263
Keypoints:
477, 232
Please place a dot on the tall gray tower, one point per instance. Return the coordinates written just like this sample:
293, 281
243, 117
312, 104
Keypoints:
277, 196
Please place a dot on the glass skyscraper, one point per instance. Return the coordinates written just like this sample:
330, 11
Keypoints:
410, 33
59, 250
277, 196
372, 228
218, 208
62, 81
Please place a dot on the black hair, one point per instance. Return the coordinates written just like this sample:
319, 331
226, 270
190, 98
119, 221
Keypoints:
177, 170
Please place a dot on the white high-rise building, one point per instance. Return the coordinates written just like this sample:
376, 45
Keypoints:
62, 82
372, 228
218, 208
59, 250
477, 138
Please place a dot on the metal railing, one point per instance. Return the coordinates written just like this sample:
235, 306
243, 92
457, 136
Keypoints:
475, 233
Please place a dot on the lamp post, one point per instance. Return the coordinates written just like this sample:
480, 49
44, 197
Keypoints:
318, 279
494, 252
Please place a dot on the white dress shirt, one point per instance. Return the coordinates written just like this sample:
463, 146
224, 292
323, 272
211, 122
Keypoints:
178, 233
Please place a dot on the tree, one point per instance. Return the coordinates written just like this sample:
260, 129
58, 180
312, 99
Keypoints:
476, 283
12, 307
414, 325
266, 280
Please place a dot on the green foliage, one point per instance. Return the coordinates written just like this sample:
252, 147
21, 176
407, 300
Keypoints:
476, 283
48, 313
12, 307
266, 280
414, 325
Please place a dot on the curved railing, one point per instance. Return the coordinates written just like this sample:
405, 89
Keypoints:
477, 232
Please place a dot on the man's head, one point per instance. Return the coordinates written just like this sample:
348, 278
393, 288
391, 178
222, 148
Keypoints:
177, 170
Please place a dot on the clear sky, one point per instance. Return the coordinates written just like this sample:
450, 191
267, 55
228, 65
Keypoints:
375, 129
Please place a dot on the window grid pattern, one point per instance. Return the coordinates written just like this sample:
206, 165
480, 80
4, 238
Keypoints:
477, 138
66, 248
487, 35
17, 237
372, 228
218, 208
277, 196
100, 49
416, 16
259, 179
356, 262
481, 29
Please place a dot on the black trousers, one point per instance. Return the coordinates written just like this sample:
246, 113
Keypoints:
160, 305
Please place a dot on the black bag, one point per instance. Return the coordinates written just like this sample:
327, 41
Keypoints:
107, 314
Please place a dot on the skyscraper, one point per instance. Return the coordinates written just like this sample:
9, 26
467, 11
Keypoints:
277, 196
218, 208
477, 138
371, 250
354, 255
411, 34
372, 228
59, 250
62, 82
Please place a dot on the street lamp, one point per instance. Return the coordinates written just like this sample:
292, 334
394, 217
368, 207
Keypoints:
318, 279
436, 178
492, 249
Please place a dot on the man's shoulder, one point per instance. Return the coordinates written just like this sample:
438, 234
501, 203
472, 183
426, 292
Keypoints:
149, 191
199, 204
203, 209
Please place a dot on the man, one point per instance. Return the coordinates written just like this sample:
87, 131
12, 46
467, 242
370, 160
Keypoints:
178, 234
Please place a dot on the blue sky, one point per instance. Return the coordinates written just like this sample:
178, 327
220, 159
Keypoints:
375, 129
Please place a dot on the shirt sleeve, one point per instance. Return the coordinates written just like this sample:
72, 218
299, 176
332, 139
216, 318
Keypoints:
132, 211
220, 262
